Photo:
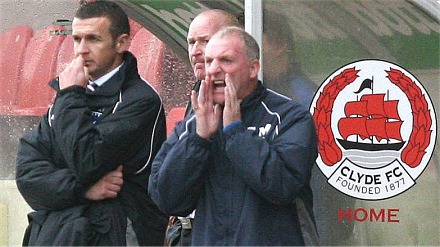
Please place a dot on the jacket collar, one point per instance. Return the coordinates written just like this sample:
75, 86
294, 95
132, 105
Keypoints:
254, 97
103, 79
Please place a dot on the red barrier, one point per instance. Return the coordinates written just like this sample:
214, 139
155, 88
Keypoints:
134, 27
40, 64
148, 50
65, 54
12, 51
174, 116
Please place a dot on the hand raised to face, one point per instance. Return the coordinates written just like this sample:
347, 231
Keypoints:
207, 113
74, 74
231, 110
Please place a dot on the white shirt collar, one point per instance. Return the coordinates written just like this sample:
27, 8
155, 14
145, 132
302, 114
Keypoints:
101, 80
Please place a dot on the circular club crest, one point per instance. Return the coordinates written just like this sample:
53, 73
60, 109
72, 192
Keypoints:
376, 128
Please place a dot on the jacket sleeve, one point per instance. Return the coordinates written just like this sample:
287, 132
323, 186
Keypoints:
178, 171
42, 184
92, 150
276, 169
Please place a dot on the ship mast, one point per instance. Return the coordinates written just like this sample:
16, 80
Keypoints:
372, 92
357, 136
387, 119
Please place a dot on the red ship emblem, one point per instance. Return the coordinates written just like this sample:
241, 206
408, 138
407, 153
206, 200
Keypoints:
373, 117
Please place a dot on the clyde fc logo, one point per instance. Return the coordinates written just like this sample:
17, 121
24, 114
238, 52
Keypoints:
376, 129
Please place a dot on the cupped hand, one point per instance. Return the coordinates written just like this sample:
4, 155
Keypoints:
232, 110
207, 113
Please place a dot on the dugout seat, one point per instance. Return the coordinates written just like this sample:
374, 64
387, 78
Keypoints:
12, 52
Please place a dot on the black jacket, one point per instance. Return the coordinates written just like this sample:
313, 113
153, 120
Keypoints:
86, 135
249, 185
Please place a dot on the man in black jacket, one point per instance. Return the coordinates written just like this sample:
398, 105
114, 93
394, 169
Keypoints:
85, 167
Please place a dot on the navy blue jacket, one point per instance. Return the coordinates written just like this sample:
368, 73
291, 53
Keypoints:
243, 183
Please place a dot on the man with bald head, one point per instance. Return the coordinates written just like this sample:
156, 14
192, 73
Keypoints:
204, 25
200, 31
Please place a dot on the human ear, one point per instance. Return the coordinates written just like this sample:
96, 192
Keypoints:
122, 43
254, 68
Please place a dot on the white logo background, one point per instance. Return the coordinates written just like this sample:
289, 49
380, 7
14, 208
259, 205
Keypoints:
374, 175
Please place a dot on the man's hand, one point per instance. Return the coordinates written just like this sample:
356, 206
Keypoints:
207, 115
74, 74
231, 111
107, 187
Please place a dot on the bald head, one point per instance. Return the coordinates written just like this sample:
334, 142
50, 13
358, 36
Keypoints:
200, 31
224, 18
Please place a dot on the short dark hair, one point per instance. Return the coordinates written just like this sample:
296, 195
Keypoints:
119, 23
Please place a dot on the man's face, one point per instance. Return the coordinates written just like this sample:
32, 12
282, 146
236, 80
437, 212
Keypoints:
199, 33
93, 41
228, 56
